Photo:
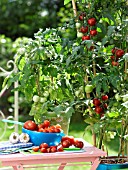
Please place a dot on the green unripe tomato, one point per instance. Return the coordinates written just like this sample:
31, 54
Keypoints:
88, 88
43, 99
46, 94
125, 99
36, 98
77, 93
113, 109
78, 25
79, 34
117, 97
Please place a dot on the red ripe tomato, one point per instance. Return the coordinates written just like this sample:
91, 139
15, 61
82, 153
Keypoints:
91, 48
35, 149
64, 138
115, 63
113, 57
119, 53
48, 150
84, 29
41, 130
66, 144
79, 144
71, 139
44, 145
96, 102
46, 123
53, 149
58, 126
105, 105
81, 16
113, 50
57, 130
43, 150
105, 97
46, 130
85, 37
41, 126
92, 21
93, 32
30, 125
99, 109
60, 148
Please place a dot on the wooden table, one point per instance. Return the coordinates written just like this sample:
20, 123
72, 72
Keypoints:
19, 160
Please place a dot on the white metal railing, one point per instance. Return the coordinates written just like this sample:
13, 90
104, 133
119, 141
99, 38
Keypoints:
5, 73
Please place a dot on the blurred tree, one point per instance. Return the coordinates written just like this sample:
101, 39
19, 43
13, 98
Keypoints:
24, 18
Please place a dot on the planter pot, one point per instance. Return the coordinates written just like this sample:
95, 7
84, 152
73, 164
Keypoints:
112, 166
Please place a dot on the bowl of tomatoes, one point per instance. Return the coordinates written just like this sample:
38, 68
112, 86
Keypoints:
43, 133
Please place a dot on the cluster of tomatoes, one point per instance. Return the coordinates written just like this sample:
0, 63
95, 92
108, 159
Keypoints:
117, 54
88, 31
66, 142
100, 104
43, 127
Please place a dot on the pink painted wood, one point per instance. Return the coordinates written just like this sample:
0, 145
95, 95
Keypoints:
19, 160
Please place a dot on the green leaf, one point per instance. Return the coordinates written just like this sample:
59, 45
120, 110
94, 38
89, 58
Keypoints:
125, 104
69, 112
90, 120
58, 109
68, 61
66, 2
109, 16
104, 40
98, 89
101, 28
110, 30
113, 114
52, 71
105, 85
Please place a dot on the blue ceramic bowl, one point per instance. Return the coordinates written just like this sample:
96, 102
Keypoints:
37, 138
